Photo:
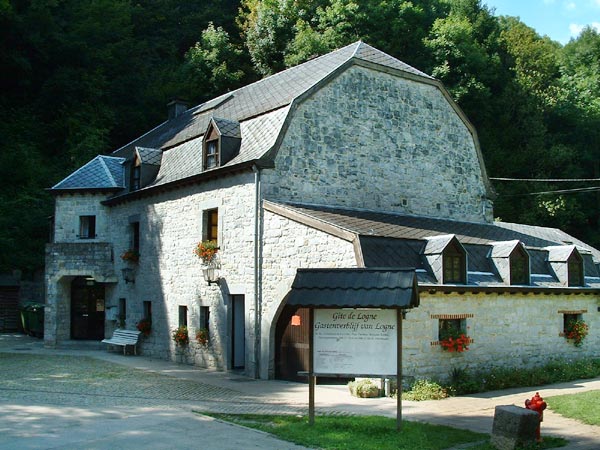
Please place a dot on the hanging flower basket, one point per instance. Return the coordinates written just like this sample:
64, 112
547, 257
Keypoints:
131, 256
576, 331
145, 326
180, 336
202, 336
206, 251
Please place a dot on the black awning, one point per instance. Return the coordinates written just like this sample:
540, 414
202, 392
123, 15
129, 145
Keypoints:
355, 288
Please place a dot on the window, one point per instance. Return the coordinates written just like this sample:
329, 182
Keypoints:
204, 317
575, 267
454, 264
135, 236
451, 328
211, 225
87, 227
148, 310
570, 317
183, 313
519, 267
135, 180
122, 312
211, 155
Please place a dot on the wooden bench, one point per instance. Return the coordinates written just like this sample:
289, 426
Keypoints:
124, 338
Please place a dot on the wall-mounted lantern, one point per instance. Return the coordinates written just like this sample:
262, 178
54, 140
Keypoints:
296, 320
128, 276
210, 274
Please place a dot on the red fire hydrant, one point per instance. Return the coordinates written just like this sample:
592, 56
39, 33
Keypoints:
538, 405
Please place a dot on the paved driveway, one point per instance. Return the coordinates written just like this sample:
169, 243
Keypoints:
77, 402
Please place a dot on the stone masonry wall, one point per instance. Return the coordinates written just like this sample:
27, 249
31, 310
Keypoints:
169, 274
520, 330
288, 246
372, 140
67, 210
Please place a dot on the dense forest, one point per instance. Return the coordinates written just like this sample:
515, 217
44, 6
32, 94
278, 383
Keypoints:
81, 78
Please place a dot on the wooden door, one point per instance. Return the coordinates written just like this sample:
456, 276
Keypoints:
292, 344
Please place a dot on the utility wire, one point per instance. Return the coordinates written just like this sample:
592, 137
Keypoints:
560, 191
547, 180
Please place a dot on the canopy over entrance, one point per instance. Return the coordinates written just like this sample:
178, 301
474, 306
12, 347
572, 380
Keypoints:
355, 288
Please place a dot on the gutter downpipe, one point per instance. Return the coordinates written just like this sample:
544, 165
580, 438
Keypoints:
257, 270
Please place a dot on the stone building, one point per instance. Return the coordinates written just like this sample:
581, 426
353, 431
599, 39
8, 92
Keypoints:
350, 160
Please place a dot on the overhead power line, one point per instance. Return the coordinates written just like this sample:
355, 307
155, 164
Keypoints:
559, 191
547, 180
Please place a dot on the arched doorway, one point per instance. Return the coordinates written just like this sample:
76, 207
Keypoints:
292, 344
87, 309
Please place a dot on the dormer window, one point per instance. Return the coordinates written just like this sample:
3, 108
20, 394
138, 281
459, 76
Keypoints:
211, 158
136, 173
575, 269
519, 266
454, 262
221, 142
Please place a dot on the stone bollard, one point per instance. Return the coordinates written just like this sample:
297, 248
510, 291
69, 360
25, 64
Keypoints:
514, 427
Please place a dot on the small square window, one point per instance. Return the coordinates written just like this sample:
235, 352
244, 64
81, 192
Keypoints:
183, 316
569, 318
87, 227
451, 328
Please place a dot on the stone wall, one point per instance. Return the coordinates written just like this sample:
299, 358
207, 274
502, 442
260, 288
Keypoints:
376, 141
288, 246
508, 330
168, 274
68, 208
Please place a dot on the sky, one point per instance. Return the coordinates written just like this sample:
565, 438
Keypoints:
561, 20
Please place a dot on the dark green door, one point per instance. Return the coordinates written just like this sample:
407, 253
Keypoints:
87, 309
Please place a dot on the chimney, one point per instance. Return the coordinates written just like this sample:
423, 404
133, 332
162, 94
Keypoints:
175, 108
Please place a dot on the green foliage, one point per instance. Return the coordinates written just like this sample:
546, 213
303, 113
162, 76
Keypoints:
462, 381
425, 390
364, 388
83, 78
358, 432
584, 406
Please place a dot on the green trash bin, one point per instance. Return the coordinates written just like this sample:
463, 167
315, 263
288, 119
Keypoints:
32, 318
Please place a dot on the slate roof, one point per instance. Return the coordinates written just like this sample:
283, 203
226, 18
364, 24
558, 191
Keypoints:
256, 113
152, 156
396, 240
399, 226
101, 173
266, 95
354, 288
229, 128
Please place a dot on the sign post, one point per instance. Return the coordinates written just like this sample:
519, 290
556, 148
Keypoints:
345, 341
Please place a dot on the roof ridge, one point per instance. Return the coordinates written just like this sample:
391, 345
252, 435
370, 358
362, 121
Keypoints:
107, 170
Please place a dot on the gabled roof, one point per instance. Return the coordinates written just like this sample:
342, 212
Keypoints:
503, 249
437, 244
560, 253
151, 156
101, 173
227, 128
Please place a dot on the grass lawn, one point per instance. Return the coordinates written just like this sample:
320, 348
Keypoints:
584, 407
366, 433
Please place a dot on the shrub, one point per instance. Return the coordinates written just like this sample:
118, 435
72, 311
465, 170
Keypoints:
363, 388
425, 390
